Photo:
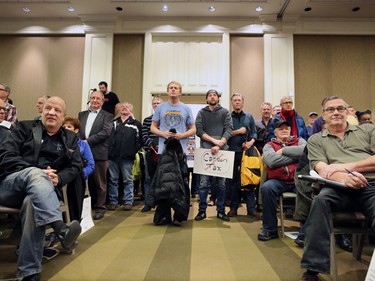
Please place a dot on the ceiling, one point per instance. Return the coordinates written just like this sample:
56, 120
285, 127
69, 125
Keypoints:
284, 9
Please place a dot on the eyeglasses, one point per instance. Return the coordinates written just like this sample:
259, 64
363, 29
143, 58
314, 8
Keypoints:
3, 108
3, 90
339, 109
287, 102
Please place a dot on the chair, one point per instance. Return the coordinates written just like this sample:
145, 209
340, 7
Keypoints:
354, 223
287, 196
64, 206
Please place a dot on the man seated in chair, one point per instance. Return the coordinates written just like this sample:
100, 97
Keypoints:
280, 155
343, 153
36, 158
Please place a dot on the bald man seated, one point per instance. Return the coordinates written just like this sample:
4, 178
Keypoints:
36, 158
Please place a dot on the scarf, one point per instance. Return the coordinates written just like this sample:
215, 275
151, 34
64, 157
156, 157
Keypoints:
289, 116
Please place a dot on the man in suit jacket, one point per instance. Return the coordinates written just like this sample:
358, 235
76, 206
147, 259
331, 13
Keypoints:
96, 128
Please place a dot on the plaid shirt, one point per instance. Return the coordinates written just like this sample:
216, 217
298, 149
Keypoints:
11, 113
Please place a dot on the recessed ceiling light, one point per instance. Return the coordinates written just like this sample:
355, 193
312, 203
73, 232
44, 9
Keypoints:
259, 9
71, 9
356, 9
308, 9
211, 9
26, 9
165, 8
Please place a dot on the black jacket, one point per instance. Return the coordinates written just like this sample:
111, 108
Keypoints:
21, 150
22, 147
125, 139
171, 179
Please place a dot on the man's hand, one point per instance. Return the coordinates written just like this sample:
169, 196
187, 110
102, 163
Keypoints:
214, 149
219, 143
51, 173
355, 180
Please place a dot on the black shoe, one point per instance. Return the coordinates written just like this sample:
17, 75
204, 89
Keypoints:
267, 235
221, 215
146, 208
177, 222
344, 242
69, 234
33, 277
201, 216
300, 241
98, 216
164, 221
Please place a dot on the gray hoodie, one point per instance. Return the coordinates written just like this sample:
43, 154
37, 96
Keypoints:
216, 123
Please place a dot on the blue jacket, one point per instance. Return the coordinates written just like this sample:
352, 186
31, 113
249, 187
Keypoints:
301, 127
239, 120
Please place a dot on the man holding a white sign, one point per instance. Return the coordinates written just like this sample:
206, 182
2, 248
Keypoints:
214, 127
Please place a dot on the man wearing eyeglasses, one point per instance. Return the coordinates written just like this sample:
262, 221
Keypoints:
4, 125
343, 153
11, 111
287, 113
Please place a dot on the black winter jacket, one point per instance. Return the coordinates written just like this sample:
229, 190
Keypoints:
22, 147
125, 139
171, 179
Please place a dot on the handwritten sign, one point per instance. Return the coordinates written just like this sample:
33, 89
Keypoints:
218, 165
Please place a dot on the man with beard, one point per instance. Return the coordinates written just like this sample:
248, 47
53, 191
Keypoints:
214, 127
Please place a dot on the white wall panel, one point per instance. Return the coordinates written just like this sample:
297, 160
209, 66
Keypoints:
278, 67
196, 62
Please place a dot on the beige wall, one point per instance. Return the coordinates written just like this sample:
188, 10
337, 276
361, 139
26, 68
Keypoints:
127, 70
35, 65
247, 71
334, 65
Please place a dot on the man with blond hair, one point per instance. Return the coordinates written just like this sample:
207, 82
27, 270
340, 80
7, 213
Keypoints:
172, 120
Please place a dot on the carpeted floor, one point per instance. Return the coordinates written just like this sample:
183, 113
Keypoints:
125, 245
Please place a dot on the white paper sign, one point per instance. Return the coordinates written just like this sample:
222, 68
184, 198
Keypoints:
87, 221
218, 165
370, 276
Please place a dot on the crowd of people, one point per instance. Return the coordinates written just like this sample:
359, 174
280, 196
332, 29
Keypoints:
99, 147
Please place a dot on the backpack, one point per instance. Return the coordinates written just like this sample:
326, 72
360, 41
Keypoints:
251, 168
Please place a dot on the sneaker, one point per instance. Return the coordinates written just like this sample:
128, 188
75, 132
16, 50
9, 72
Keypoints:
201, 216
267, 235
221, 215
146, 208
128, 207
307, 277
300, 241
112, 206
69, 234
211, 203
232, 212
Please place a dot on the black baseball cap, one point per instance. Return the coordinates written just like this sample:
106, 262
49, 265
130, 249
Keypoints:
279, 123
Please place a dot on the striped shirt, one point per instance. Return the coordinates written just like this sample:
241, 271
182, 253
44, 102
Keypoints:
148, 137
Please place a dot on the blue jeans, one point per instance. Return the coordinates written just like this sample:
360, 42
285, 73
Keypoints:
271, 190
203, 192
316, 254
32, 190
125, 167
250, 201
